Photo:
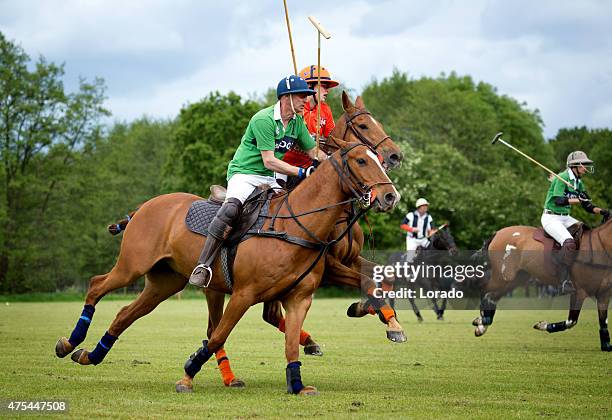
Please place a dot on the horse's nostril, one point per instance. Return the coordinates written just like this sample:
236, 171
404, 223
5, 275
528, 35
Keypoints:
395, 159
389, 198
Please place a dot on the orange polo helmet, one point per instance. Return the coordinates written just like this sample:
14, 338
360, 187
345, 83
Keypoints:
311, 73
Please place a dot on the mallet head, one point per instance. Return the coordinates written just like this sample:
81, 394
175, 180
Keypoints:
497, 137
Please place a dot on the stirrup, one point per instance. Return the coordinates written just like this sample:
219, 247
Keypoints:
197, 278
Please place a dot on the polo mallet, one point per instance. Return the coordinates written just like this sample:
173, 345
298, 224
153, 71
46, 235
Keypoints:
502, 141
439, 229
290, 39
320, 31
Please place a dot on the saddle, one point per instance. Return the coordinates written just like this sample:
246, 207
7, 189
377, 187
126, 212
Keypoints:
550, 244
254, 212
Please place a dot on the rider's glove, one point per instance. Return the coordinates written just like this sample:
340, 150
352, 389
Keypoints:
582, 196
305, 173
605, 213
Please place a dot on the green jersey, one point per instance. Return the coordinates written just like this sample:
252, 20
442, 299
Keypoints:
266, 132
559, 189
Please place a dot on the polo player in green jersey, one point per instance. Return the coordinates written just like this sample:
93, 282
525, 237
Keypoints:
270, 134
559, 199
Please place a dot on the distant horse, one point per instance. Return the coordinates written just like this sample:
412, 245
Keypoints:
514, 256
157, 244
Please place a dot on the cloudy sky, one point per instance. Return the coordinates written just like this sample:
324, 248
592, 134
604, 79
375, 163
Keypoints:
157, 55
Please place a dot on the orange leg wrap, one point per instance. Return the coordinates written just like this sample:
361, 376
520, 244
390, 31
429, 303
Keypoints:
387, 312
224, 367
303, 334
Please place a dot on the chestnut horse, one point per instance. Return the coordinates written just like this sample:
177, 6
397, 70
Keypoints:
157, 244
343, 263
515, 256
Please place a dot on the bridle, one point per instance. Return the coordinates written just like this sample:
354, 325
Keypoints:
349, 125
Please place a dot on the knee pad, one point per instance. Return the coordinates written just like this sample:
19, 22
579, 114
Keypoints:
230, 210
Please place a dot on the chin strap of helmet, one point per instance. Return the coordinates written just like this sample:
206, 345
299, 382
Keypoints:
291, 102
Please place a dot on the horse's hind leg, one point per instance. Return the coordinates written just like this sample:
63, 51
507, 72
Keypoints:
415, 309
273, 315
160, 284
237, 306
120, 276
603, 301
576, 301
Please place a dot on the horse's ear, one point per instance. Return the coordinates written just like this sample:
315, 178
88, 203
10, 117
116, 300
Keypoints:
359, 103
339, 142
346, 102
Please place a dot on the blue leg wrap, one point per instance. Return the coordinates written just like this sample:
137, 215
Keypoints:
80, 331
294, 379
197, 359
103, 347
556, 327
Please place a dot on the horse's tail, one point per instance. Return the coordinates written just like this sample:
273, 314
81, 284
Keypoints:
482, 252
117, 228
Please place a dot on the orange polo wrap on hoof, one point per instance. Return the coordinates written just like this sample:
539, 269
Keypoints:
303, 337
281, 325
224, 366
387, 312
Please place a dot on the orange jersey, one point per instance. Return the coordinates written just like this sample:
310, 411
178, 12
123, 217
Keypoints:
297, 157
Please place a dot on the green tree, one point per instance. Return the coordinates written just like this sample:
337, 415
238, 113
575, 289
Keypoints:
207, 134
42, 128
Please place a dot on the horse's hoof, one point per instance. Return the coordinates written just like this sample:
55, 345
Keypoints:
606, 347
309, 390
419, 318
184, 386
81, 356
440, 317
541, 326
63, 347
236, 383
477, 321
397, 336
480, 330
313, 350
355, 311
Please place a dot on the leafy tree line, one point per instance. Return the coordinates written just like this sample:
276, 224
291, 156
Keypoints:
65, 175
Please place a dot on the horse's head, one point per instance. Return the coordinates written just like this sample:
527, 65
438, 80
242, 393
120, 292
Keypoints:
358, 125
443, 240
362, 176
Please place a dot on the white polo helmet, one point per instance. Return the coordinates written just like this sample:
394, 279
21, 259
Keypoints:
579, 158
421, 202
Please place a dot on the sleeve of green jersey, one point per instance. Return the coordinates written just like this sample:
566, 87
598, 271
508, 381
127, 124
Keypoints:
558, 188
304, 138
263, 130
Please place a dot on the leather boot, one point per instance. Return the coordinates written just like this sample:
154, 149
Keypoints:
218, 231
568, 254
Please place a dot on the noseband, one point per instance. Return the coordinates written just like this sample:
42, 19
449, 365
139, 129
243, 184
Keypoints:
361, 191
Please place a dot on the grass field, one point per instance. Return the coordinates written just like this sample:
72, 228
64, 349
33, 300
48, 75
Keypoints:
443, 371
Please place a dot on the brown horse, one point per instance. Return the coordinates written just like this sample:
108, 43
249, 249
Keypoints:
343, 263
157, 244
515, 256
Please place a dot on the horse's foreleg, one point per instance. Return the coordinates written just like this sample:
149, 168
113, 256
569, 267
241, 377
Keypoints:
436, 309
273, 315
387, 315
99, 286
158, 287
415, 309
576, 301
602, 310
296, 308
238, 304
